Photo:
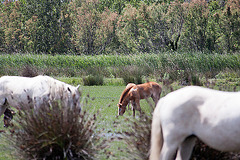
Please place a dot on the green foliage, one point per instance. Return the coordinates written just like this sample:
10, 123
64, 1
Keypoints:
119, 66
175, 17
230, 22
50, 36
93, 29
92, 80
196, 25
132, 29
100, 27
11, 27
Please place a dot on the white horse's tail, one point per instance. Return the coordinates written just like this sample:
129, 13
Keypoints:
156, 134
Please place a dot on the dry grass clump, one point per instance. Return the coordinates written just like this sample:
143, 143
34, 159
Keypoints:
55, 132
136, 137
28, 71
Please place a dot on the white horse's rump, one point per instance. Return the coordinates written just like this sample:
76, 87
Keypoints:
181, 116
33, 92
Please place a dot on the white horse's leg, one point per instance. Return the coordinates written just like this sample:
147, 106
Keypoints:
3, 105
186, 148
171, 143
168, 151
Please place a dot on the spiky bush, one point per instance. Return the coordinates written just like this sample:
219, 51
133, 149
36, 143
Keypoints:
91, 80
138, 139
137, 135
28, 71
55, 132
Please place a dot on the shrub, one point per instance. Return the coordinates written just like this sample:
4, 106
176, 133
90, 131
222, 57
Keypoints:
137, 137
91, 80
132, 74
28, 71
55, 132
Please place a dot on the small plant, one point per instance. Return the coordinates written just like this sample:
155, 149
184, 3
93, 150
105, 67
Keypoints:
55, 132
91, 80
132, 74
28, 71
138, 140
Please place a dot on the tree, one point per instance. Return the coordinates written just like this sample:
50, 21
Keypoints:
195, 26
175, 21
93, 30
11, 27
133, 28
49, 37
230, 22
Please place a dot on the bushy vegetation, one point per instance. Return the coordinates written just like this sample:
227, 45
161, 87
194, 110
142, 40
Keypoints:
56, 132
137, 137
91, 80
176, 66
99, 27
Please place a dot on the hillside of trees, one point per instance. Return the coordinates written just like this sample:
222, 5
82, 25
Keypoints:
94, 27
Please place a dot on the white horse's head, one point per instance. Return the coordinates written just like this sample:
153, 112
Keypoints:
74, 97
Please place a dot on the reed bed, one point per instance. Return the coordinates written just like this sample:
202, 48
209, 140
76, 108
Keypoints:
113, 65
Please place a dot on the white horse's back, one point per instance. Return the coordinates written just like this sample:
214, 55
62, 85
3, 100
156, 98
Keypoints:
34, 91
210, 115
21, 89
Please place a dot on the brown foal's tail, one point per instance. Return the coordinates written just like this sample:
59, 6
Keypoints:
156, 135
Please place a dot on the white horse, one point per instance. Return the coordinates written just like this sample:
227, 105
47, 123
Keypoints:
33, 92
181, 116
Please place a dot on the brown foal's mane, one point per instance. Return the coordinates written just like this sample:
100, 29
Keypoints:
124, 93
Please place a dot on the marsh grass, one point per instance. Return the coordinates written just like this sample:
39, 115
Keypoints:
114, 66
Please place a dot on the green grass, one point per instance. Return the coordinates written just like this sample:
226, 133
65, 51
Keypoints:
5, 150
105, 99
112, 65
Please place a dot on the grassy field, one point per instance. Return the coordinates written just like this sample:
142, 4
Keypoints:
104, 98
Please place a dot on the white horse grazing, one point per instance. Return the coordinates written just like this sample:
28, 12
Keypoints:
181, 116
23, 91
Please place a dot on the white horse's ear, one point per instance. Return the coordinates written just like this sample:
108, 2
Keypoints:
69, 90
78, 87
